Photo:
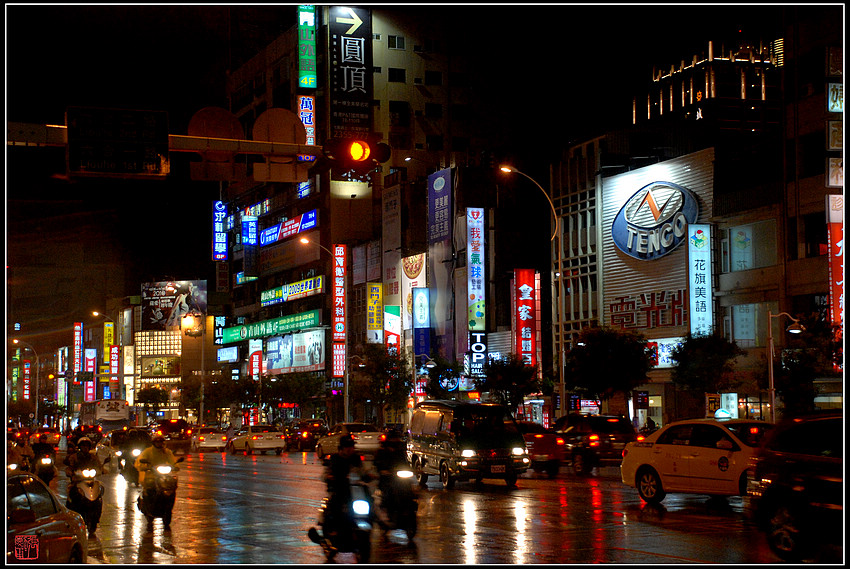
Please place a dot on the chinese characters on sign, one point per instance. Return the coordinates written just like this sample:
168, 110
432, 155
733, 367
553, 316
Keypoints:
649, 310
835, 236
439, 205
526, 315
475, 259
374, 313
307, 114
307, 47
699, 279
219, 244
338, 285
350, 38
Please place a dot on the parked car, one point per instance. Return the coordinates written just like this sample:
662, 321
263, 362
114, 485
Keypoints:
53, 435
591, 441
209, 438
795, 490
305, 434
258, 438
40, 529
367, 439
696, 456
462, 440
545, 447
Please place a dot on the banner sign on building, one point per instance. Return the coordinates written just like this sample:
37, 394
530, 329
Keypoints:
339, 359
288, 323
477, 354
91, 366
219, 242
421, 322
165, 303
526, 316
338, 318
475, 262
307, 48
701, 291
255, 358
439, 205
108, 339
413, 275
350, 67
298, 352
307, 114
289, 228
114, 369
228, 355
78, 348
374, 313
392, 328
27, 366
835, 242
292, 291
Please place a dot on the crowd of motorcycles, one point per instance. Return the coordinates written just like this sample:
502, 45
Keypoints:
343, 528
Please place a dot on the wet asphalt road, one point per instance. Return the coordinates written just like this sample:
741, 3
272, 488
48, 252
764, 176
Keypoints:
257, 508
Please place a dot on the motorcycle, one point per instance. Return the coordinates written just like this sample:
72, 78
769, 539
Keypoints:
159, 492
346, 533
85, 497
398, 503
126, 464
45, 468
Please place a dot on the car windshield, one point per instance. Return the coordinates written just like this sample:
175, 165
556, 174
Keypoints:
485, 422
533, 428
750, 434
610, 425
361, 428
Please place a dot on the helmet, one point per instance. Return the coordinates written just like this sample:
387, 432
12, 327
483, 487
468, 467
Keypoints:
84, 441
158, 437
345, 441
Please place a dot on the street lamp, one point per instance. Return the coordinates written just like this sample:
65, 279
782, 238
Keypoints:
26, 345
511, 169
794, 328
345, 399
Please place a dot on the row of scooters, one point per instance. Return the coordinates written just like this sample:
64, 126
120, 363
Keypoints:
85, 492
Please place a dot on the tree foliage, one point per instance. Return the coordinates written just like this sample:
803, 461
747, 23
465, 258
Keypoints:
389, 379
607, 361
706, 363
509, 380
151, 398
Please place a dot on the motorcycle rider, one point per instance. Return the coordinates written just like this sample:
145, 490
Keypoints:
82, 459
151, 457
41, 449
339, 466
389, 457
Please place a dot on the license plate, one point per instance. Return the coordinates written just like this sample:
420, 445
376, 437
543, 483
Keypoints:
497, 468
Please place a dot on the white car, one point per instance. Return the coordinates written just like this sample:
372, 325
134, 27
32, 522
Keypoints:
259, 438
697, 456
367, 439
208, 438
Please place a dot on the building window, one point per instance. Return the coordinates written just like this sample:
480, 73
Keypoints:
750, 246
433, 111
433, 78
400, 114
395, 42
396, 75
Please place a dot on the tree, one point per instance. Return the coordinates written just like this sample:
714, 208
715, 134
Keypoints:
706, 363
444, 372
607, 361
301, 388
509, 380
390, 379
151, 398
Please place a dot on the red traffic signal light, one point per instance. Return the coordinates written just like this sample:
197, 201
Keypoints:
354, 152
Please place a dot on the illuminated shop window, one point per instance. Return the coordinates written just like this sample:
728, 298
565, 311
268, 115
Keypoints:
750, 246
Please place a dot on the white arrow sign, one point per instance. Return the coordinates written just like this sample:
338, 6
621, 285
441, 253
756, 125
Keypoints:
355, 21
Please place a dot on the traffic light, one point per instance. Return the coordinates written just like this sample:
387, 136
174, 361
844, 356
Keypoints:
358, 153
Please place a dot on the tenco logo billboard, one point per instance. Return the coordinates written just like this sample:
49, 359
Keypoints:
654, 221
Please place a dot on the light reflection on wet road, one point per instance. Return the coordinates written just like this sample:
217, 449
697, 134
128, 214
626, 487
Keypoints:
257, 509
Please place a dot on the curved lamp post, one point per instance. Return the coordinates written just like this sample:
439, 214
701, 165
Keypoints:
794, 328
345, 400
511, 169
26, 345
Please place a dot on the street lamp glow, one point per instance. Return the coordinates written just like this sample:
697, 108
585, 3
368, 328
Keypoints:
511, 170
794, 328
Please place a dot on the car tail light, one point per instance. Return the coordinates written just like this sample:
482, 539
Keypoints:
594, 440
354, 436
625, 452
223, 437
99, 429
188, 431
201, 438
640, 438
383, 437
538, 436
254, 437
159, 432
305, 434
559, 441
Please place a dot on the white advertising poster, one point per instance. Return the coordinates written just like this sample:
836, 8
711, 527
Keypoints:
700, 290
413, 275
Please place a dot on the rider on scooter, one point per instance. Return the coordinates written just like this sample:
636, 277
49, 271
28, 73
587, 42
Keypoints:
389, 457
339, 466
81, 460
44, 448
151, 457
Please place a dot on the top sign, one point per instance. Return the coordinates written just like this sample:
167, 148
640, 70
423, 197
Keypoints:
117, 143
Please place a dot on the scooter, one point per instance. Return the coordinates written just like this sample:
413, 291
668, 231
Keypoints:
127, 464
86, 497
45, 468
346, 534
398, 503
159, 492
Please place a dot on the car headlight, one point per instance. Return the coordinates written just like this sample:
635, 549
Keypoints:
137, 451
360, 507
467, 453
119, 453
404, 473
163, 469
13, 466
518, 451
46, 460
89, 472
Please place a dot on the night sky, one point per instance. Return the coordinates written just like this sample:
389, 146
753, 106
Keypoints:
550, 75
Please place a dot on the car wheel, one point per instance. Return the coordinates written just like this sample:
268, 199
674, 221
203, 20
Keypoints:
446, 477
552, 468
248, 449
76, 555
421, 477
319, 451
511, 479
580, 465
742, 484
649, 486
785, 535
232, 448
278, 450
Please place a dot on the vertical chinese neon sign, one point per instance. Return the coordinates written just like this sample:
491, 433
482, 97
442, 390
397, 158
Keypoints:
475, 260
526, 315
